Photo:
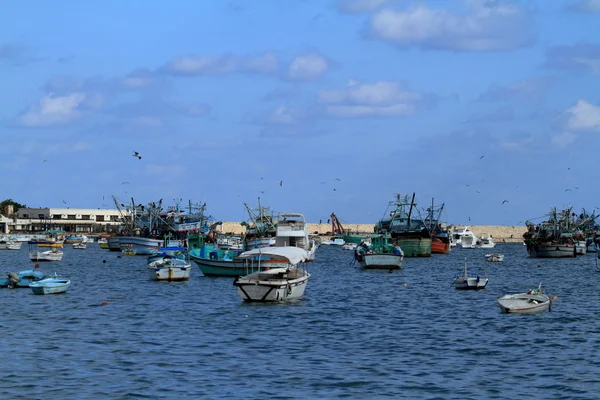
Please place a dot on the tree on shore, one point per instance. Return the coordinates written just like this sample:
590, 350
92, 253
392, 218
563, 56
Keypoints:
10, 202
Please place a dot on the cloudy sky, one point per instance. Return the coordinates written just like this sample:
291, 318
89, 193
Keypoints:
316, 106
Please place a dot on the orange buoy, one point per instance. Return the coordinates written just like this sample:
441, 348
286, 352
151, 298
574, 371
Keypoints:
37, 265
105, 303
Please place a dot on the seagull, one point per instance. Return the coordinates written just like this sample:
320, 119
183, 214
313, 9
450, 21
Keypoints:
262, 191
568, 190
477, 191
64, 202
136, 154
280, 183
480, 157
125, 183
44, 160
505, 201
334, 189
467, 184
337, 179
575, 187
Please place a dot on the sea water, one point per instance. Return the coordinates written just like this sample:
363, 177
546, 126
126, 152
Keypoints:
355, 334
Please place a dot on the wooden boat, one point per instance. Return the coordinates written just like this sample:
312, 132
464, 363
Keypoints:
6, 244
168, 268
80, 246
532, 302
21, 279
494, 257
379, 254
276, 284
48, 255
52, 285
466, 282
103, 243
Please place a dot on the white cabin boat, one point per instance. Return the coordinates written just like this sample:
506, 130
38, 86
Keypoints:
292, 230
486, 242
532, 302
334, 242
464, 238
276, 284
466, 282
80, 246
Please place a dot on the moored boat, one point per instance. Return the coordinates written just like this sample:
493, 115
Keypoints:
379, 254
48, 255
466, 282
276, 284
21, 279
531, 302
169, 268
6, 244
51, 285
292, 230
494, 257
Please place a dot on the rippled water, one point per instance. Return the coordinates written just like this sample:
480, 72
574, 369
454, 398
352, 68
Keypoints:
356, 334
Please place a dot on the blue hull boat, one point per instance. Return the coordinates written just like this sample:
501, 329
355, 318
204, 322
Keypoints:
21, 279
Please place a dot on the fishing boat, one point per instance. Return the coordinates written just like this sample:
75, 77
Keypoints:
51, 285
466, 282
406, 228
347, 235
440, 236
80, 246
169, 268
486, 242
278, 284
494, 257
531, 302
103, 243
21, 279
260, 228
379, 254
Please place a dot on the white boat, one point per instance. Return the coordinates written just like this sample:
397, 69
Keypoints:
531, 302
494, 257
169, 268
52, 285
464, 238
486, 242
292, 230
276, 284
349, 246
80, 246
466, 282
334, 242
48, 255
581, 247
6, 244
379, 254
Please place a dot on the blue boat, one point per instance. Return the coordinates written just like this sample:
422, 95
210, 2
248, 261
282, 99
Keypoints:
21, 279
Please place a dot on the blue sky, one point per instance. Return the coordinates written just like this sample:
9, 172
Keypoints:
344, 102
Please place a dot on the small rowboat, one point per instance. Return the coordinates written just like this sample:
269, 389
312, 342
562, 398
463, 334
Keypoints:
53, 285
494, 257
130, 251
532, 302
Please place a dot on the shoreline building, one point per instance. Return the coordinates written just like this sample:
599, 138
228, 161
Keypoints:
76, 220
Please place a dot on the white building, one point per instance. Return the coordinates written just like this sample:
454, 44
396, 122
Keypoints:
79, 220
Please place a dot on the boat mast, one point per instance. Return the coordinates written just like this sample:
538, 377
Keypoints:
412, 202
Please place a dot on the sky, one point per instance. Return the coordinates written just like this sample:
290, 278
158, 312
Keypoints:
316, 106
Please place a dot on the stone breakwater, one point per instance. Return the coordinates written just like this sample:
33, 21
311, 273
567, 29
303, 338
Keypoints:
506, 233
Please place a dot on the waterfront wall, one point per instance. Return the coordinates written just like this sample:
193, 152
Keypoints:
506, 233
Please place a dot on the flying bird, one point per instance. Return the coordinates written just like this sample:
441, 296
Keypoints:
575, 187
480, 157
280, 183
467, 184
337, 179
136, 154
64, 202
125, 183
44, 160
505, 201
568, 190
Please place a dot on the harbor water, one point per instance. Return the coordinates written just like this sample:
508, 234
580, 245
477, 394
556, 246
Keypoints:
356, 334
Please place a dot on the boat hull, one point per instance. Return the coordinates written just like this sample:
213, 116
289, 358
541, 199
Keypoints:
142, 246
470, 283
24, 279
552, 251
50, 286
380, 261
252, 288
46, 256
11, 246
415, 247
173, 270
438, 246
494, 257
524, 304
113, 243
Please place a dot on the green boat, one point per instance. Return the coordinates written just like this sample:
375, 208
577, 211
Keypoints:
407, 230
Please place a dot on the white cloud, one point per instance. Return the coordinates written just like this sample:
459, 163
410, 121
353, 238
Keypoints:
584, 117
487, 26
53, 110
81, 146
139, 79
380, 99
360, 6
191, 65
281, 115
308, 67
